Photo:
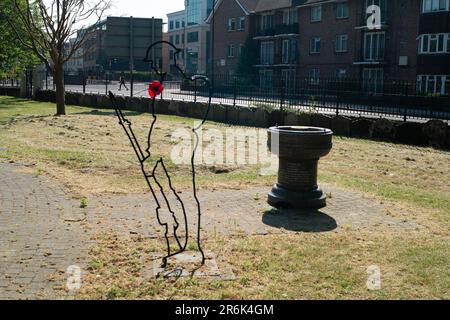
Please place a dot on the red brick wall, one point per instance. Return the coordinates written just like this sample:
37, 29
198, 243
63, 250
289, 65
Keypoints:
223, 38
401, 34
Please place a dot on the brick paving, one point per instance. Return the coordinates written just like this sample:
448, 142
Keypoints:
43, 230
231, 212
38, 237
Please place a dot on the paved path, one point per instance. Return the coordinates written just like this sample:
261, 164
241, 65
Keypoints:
236, 212
38, 235
43, 230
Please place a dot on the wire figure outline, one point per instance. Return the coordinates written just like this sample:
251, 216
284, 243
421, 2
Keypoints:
144, 156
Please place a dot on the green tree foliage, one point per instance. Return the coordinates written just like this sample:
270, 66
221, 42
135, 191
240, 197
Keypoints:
249, 55
14, 57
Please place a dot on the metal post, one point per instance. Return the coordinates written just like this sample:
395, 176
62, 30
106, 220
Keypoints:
212, 44
84, 83
131, 58
106, 83
195, 91
405, 115
153, 39
46, 79
282, 102
235, 92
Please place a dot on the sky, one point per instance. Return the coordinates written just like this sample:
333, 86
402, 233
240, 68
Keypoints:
145, 8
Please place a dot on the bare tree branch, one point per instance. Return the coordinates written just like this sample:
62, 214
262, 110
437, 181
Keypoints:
49, 25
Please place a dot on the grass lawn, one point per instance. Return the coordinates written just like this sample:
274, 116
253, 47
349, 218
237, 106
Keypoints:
88, 152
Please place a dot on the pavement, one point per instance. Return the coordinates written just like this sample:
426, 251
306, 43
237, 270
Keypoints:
43, 230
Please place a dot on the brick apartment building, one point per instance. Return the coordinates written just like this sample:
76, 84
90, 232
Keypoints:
232, 25
433, 65
340, 43
318, 39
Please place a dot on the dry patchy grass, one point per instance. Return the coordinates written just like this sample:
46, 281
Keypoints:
301, 266
88, 151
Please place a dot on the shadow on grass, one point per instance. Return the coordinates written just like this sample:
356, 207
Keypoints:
11, 102
300, 221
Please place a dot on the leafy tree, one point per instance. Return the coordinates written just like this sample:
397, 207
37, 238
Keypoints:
249, 55
14, 57
45, 26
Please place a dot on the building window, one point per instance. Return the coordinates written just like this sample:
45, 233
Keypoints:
266, 22
373, 80
342, 43
192, 37
177, 24
183, 24
315, 45
171, 39
342, 10
177, 39
288, 77
241, 25
316, 13
435, 5
314, 75
341, 73
171, 25
374, 46
285, 52
241, 49
231, 24
290, 16
267, 52
434, 84
266, 79
434, 43
193, 10
230, 51
171, 52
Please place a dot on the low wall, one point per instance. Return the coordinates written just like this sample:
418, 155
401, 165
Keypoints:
434, 133
12, 92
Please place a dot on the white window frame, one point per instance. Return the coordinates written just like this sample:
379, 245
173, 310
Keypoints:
376, 85
241, 24
430, 6
266, 79
341, 73
290, 16
316, 13
313, 45
231, 22
378, 56
340, 13
424, 81
426, 41
265, 19
285, 51
341, 39
231, 51
314, 75
267, 52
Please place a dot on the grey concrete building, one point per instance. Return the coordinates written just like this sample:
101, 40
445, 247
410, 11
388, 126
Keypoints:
120, 44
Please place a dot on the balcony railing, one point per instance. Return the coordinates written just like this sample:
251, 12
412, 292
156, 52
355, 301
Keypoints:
278, 30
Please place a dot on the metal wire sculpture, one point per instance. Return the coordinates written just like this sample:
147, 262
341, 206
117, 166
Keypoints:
155, 89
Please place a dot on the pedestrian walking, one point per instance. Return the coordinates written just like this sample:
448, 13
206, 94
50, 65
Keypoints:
122, 82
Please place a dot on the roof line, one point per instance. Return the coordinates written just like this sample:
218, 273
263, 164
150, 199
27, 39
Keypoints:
219, 2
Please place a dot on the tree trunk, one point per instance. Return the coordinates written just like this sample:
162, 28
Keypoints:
60, 91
